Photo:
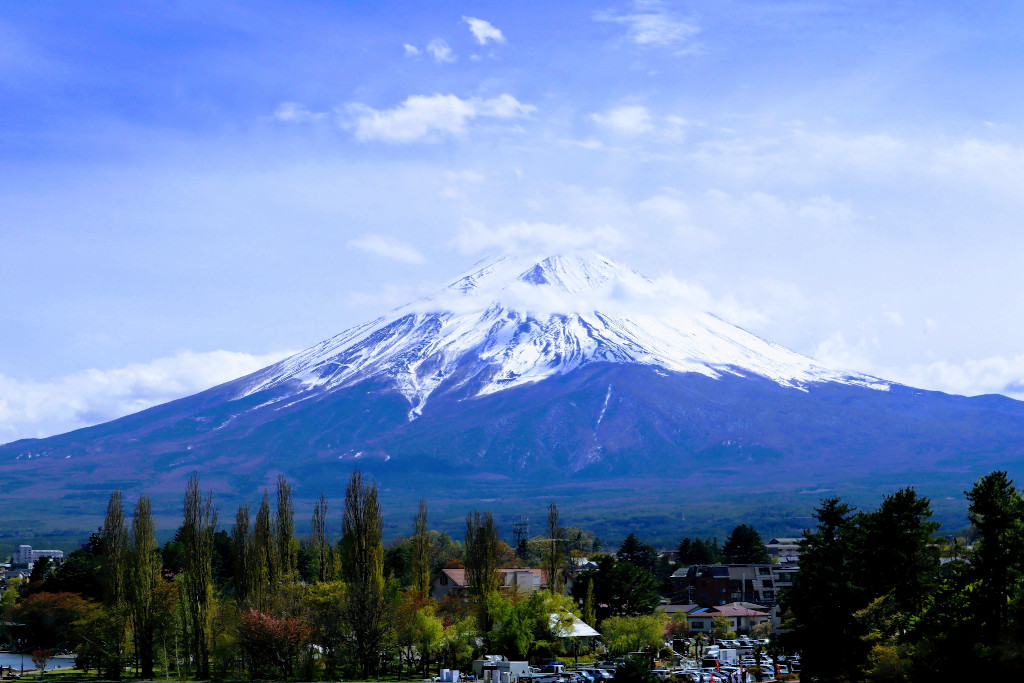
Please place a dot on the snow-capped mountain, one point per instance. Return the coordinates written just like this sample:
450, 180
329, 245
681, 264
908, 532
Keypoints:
516, 321
568, 378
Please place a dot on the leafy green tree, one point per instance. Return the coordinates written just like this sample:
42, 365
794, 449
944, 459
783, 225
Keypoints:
80, 571
633, 633
620, 589
744, 546
514, 623
635, 670
325, 603
722, 630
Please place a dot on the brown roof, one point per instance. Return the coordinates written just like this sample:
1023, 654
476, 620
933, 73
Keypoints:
458, 576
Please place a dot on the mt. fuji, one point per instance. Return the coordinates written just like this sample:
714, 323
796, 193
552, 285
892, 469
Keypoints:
567, 378
511, 322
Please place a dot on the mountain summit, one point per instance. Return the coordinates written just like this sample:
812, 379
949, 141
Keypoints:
514, 321
568, 378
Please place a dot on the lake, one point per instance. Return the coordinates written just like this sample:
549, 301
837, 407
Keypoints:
14, 660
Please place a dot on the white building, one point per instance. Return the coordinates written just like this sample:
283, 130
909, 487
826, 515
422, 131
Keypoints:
26, 556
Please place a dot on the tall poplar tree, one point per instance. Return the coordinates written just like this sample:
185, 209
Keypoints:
322, 549
363, 566
143, 581
241, 540
114, 542
114, 537
553, 554
197, 529
284, 531
481, 555
421, 551
264, 558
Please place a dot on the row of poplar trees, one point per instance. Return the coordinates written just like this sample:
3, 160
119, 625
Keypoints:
141, 606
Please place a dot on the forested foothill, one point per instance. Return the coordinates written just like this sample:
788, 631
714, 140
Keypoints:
880, 595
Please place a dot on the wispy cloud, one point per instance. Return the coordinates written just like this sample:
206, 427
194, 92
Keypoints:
629, 120
650, 24
483, 31
971, 377
388, 247
37, 409
411, 50
429, 117
440, 51
526, 236
293, 112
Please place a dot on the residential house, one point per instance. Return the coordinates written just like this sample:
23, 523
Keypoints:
454, 581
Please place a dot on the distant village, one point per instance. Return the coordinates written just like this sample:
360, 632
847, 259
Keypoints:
861, 594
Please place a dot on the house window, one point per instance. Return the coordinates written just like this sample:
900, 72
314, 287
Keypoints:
444, 579
696, 625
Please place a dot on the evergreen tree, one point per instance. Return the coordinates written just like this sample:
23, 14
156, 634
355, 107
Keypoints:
823, 598
699, 551
897, 555
363, 567
639, 553
997, 512
421, 551
744, 546
589, 614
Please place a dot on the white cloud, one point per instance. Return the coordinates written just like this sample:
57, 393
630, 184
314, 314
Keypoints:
483, 30
293, 112
440, 51
628, 120
388, 247
411, 50
422, 117
651, 25
528, 237
971, 377
37, 409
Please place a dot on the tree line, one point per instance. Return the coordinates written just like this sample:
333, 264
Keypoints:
879, 597
256, 601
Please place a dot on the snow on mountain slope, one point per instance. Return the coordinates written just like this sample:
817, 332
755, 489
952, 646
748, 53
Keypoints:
512, 321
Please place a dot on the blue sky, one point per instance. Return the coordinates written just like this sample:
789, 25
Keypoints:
190, 190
